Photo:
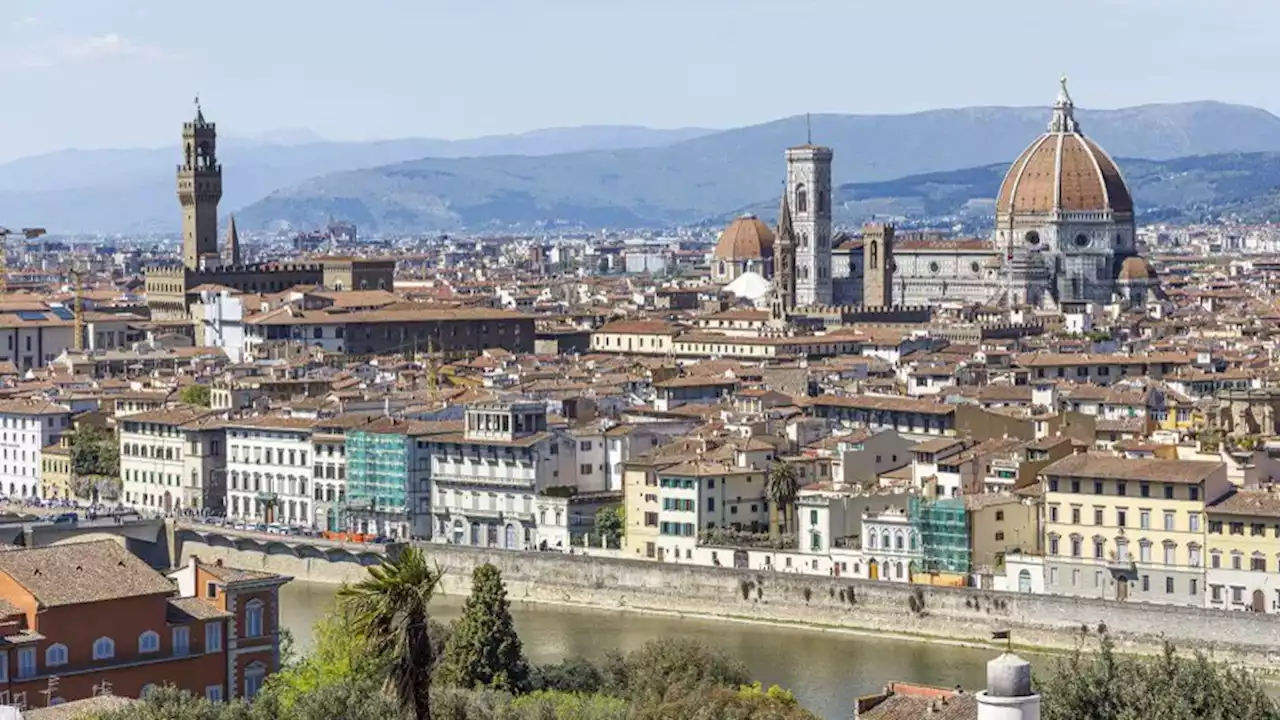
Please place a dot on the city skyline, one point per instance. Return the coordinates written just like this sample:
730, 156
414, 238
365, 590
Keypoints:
404, 70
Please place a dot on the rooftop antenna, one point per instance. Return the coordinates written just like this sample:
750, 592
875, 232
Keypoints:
808, 130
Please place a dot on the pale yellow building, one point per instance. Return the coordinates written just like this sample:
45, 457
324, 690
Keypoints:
1128, 529
640, 337
55, 472
640, 493
1243, 541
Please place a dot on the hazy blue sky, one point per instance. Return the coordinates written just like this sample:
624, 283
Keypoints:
111, 73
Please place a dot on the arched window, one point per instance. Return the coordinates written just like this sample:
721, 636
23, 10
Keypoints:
1024, 581
874, 263
104, 648
897, 542
822, 202
55, 655
148, 642
253, 675
871, 541
253, 619
802, 199
884, 540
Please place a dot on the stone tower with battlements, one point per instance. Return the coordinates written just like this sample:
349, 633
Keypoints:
199, 190
877, 265
809, 197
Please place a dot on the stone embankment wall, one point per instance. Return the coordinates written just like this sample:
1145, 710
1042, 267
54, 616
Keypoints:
919, 612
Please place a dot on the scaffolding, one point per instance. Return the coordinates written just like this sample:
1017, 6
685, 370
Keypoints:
943, 529
376, 478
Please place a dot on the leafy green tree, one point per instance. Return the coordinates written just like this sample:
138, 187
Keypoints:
483, 649
1102, 685
195, 395
340, 654
611, 523
450, 703
782, 486
363, 699
720, 703
575, 675
168, 703
94, 451
569, 706
668, 669
342, 700
389, 613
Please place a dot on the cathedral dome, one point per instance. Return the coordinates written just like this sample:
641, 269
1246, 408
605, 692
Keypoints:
1136, 268
1063, 171
746, 238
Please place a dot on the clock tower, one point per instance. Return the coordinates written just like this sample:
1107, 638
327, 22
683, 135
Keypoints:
199, 190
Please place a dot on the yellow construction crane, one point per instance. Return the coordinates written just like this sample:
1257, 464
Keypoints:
78, 310
27, 234
432, 387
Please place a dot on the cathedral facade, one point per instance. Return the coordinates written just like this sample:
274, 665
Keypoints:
1064, 229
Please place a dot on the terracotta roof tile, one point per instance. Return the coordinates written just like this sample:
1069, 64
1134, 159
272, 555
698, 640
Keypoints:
82, 573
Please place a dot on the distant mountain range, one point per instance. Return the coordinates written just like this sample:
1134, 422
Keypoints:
930, 163
133, 191
1245, 186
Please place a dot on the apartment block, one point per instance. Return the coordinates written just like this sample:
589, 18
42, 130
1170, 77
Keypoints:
26, 428
173, 459
1129, 529
269, 470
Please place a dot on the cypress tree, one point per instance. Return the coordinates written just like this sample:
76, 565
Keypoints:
483, 649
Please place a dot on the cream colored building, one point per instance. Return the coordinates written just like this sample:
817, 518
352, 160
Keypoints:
1128, 529
677, 490
55, 472
644, 337
1243, 542
173, 459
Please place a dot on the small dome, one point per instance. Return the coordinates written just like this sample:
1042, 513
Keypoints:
1063, 171
746, 238
1136, 268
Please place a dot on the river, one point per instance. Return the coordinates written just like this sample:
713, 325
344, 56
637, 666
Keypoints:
825, 670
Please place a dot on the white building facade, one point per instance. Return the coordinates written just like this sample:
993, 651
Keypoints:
26, 428
485, 481
269, 471
172, 460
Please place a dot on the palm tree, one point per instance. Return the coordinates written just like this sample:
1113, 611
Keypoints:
781, 488
390, 611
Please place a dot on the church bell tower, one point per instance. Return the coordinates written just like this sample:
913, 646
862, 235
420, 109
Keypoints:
809, 191
199, 190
